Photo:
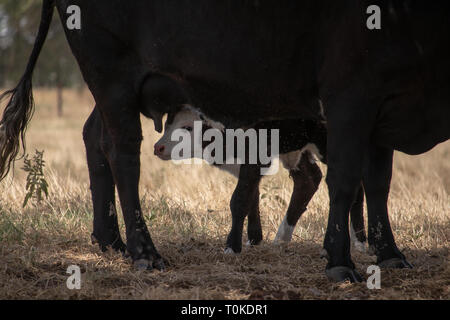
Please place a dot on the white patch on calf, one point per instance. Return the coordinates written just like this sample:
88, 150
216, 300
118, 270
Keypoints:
201, 116
185, 118
312, 148
290, 160
284, 233
188, 117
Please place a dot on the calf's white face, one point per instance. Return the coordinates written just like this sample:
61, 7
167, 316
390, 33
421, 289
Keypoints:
183, 120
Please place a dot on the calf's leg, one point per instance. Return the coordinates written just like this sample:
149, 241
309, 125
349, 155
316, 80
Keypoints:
306, 177
241, 204
254, 229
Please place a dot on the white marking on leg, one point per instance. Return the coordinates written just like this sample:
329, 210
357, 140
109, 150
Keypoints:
230, 251
209, 122
358, 245
285, 232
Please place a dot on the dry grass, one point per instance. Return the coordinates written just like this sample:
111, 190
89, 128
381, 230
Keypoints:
188, 216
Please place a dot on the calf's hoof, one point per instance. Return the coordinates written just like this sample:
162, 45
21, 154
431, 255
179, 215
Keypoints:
252, 242
230, 251
284, 233
395, 263
342, 273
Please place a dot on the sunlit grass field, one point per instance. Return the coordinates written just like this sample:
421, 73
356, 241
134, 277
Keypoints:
187, 211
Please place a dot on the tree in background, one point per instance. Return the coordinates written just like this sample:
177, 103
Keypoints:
56, 68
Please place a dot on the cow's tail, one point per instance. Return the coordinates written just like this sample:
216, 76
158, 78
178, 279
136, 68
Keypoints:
20, 106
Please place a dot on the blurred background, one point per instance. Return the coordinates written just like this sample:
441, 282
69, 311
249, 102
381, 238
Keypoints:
56, 67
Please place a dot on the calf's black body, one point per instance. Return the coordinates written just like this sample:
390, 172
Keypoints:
294, 136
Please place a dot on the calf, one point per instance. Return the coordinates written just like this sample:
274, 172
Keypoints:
298, 139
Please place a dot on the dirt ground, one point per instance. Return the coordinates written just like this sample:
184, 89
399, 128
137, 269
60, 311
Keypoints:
186, 209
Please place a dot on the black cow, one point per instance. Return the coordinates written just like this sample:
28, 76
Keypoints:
244, 61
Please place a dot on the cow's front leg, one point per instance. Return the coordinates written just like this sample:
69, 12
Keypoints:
342, 189
106, 230
241, 203
123, 127
347, 140
377, 178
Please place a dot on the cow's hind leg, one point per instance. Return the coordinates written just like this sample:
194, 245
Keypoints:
306, 177
106, 230
241, 204
119, 109
377, 178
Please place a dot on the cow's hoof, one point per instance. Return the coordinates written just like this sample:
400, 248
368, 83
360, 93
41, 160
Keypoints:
159, 264
342, 273
120, 247
252, 242
395, 263
142, 264
116, 245
146, 264
230, 251
324, 254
